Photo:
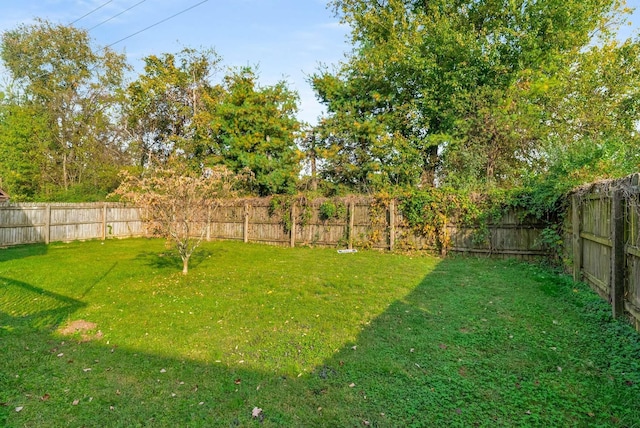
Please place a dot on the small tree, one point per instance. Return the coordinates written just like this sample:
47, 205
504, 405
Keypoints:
177, 203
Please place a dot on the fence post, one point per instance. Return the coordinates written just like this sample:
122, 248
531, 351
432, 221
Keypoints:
104, 221
47, 223
577, 240
245, 229
392, 224
293, 225
208, 238
617, 253
352, 209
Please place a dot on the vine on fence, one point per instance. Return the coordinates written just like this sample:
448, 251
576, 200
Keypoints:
332, 209
432, 212
429, 212
281, 205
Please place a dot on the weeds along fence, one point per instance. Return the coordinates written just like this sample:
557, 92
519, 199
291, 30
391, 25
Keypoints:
356, 222
27, 223
604, 249
366, 223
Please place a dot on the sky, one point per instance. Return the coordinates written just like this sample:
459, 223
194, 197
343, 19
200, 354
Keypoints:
286, 39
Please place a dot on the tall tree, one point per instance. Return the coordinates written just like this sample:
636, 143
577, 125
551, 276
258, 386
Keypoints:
55, 71
24, 142
444, 75
169, 106
255, 130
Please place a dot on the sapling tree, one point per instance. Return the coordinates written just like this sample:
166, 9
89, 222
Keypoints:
176, 203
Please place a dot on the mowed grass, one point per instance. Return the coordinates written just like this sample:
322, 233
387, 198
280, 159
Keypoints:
309, 336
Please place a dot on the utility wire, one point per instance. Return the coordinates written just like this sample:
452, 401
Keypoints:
137, 32
157, 23
89, 13
117, 15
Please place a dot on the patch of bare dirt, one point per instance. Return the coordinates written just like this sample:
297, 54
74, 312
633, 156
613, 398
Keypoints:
83, 328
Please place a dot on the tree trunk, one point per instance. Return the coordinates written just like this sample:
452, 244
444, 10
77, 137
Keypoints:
428, 177
64, 172
314, 178
185, 265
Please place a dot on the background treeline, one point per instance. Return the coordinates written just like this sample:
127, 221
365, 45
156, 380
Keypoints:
490, 96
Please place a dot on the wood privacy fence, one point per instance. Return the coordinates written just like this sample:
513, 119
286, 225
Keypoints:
358, 223
365, 223
27, 223
605, 242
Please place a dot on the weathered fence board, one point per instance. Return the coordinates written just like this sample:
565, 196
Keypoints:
605, 246
362, 222
27, 223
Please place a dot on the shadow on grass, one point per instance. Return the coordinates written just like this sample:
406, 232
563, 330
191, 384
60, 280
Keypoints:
170, 259
441, 355
22, 251
23, 304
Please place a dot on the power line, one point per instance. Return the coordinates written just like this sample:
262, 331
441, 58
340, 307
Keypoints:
157, 23
94, 10
117, 15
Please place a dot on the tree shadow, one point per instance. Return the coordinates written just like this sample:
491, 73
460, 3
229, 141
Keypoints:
170, 259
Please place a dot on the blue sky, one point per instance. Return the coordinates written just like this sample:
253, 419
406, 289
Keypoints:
286, 39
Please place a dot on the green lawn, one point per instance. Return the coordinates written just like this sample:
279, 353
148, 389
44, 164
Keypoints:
311, 337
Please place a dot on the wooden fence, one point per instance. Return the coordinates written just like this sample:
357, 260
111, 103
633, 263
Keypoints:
605, 242
27, 223
358, 223
363, 223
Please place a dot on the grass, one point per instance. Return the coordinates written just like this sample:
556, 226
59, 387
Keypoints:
312, 337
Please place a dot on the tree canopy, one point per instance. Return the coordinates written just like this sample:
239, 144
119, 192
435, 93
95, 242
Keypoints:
465, 91
72, 93
469, 94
